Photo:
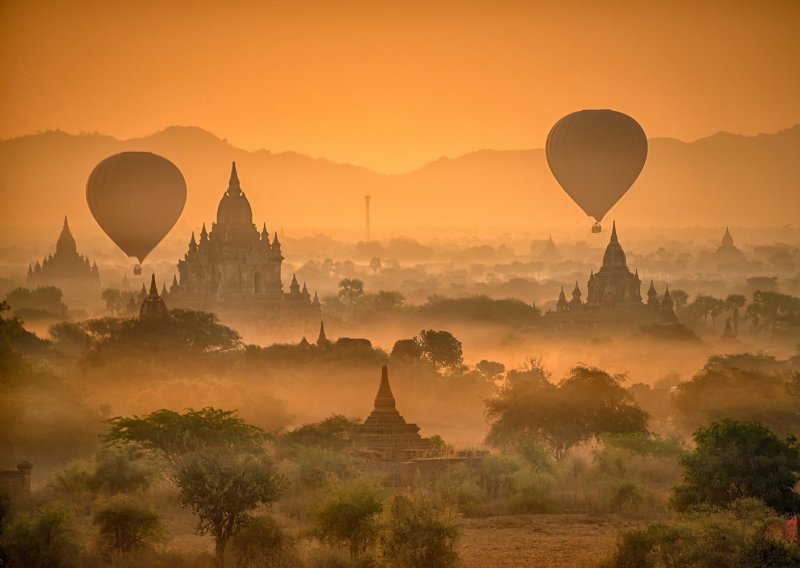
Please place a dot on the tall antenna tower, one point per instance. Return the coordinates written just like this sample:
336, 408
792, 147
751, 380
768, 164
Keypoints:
366, 211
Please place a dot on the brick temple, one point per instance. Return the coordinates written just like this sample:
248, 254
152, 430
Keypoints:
385, 434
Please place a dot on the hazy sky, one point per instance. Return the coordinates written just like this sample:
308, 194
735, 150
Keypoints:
391, 85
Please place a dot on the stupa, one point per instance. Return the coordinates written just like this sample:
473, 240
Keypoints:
385, 433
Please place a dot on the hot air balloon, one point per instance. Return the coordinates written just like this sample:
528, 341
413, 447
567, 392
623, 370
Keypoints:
596, 155
136, 198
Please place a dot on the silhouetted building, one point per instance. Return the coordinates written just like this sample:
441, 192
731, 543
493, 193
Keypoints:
727, 251
322, 339
17, 482
234, 268
613, 296
152, 305
66, 269
385, 432
550, 252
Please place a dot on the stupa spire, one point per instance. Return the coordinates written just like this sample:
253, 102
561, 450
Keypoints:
153, 287
384, 400
233, 184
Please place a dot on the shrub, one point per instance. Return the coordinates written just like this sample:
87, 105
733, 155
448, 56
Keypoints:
350, 516
420, 533
127, 526
263, 544
41, 539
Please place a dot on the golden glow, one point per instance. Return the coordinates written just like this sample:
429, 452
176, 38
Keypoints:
391, 85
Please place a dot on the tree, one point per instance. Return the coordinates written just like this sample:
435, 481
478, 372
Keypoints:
407, 349
779, 312
263, 544
334, 432
41, 538
182, 331
350, 516
217, 461
734, 460
375, 265
742, 387
490, 369
421, 533
441, 348
679, 298
15, 341
222, 487
171, 435
704, 307
46, 299
113, 300
587, 403
127, 526
351, 290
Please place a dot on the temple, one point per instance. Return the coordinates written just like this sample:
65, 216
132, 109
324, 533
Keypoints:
237, 269
613, 296
727, 251
385, 433
152, 306
67, 270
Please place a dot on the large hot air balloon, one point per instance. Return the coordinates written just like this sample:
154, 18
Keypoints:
136, 198
596, 155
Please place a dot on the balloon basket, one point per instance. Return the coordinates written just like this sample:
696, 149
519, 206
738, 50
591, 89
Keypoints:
597, 228
137, 270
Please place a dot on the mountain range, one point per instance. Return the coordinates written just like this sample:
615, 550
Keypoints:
720, 180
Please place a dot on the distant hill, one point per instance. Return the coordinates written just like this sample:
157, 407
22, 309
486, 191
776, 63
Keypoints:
723, 179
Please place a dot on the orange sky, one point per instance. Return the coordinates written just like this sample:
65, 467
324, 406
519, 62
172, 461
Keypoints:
391, 85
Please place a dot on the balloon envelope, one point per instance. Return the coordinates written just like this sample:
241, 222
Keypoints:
136, 198
596, 155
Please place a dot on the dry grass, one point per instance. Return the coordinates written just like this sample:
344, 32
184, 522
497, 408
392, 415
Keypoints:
548, 541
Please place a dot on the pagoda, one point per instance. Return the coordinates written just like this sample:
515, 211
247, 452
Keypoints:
66, 269
153, 306
235, 268
727, 251
385, 433
613, 296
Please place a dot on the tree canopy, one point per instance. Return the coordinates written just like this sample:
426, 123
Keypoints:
182, 331
441, 348
587, 403
735, 460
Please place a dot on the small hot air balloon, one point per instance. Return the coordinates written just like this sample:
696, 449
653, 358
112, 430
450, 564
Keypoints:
136, 198
596, 155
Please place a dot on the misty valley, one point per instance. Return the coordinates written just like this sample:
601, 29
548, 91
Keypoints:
434, 402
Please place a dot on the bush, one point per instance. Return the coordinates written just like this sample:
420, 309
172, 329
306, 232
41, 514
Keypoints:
41, 539
127, 526
350, 516
420, 533
732, 537
739, 459
766, 552
263, 544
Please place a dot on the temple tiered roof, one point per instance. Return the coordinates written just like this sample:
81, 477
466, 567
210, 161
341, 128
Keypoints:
386, 432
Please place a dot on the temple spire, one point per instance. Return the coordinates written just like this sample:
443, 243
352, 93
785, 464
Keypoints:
384, 401
233, 184
614, 238
153, 287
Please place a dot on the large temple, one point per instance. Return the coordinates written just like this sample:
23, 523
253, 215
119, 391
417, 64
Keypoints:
234, 268
66, 269
385, 433
613, 296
